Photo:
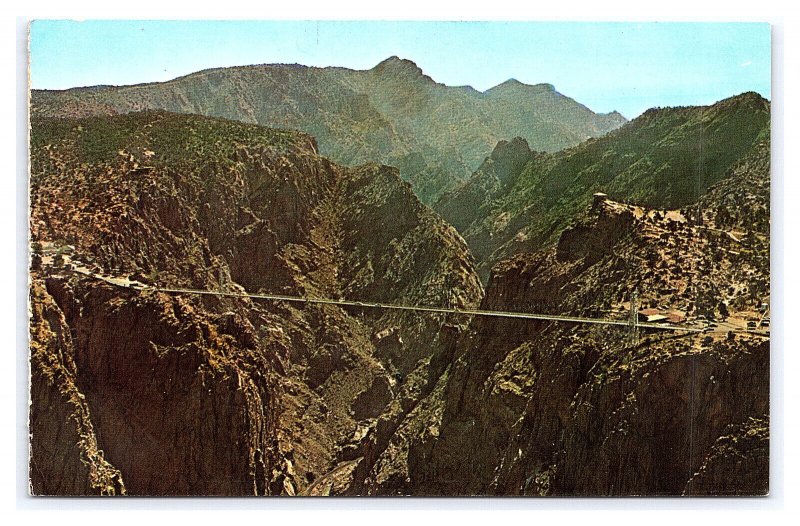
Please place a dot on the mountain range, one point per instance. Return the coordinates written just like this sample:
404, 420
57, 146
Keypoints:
394, 114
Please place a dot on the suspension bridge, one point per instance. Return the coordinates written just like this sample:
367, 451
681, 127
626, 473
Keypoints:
631, 324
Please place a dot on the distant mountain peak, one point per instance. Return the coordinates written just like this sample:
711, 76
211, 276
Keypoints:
513, 85
511, 82
399, 65
747, 95
394, 59
749, 98
614, 117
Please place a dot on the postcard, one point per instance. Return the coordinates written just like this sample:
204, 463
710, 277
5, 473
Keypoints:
372, 258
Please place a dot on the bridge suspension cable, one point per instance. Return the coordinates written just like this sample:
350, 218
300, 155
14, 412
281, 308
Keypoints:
124, 283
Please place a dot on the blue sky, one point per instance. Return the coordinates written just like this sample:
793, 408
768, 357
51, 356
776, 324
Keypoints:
627, 67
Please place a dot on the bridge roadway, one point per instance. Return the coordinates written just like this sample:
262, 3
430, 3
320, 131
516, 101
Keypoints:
126, 283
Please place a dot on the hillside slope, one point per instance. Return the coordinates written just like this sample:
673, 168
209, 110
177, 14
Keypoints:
520, 200
393, 113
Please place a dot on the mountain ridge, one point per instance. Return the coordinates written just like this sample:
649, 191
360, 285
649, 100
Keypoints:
393, 62
665, 158
392, 113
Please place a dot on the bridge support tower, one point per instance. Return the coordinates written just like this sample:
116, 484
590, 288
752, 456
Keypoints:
633, 319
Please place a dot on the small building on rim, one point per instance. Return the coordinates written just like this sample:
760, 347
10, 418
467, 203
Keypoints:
651, 315
655, 316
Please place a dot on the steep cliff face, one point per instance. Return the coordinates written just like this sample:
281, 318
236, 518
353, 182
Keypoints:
188, 394
661, 418
545, 408
738, 463
151, 369
65, 458
393, 113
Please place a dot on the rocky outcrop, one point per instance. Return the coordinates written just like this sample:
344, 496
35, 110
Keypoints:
591, 242
466, 204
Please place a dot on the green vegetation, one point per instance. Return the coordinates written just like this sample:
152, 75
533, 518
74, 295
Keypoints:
101, 139
666, 158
